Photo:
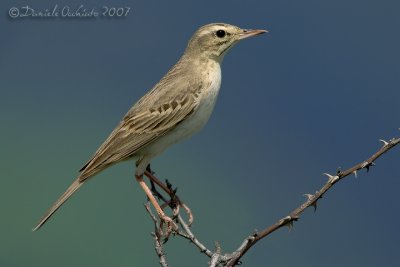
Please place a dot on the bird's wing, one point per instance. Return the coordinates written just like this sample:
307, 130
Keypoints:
139, 129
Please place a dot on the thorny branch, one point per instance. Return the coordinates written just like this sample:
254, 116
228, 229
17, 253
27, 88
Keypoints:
157, 240
311, 201
233, 259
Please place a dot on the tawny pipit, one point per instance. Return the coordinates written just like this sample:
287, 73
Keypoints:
178, 106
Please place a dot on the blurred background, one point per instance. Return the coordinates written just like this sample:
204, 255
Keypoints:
314, 94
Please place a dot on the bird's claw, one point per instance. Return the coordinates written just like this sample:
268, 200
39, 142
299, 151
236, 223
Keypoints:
170, 227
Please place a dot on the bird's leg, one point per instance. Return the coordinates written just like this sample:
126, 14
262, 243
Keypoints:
171, 226
175, 202
167, 189
153, 187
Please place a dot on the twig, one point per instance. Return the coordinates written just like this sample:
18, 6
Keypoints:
157, 240
311, 201
215, 259
191, 237
160, 251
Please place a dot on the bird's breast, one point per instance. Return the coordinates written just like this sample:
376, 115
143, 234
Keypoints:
207, 98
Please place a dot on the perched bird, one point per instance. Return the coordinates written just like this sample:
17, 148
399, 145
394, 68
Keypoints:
178, 106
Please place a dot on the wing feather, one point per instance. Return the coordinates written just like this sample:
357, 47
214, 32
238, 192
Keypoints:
137, 131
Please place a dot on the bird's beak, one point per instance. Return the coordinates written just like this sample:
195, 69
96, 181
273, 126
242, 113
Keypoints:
249, 33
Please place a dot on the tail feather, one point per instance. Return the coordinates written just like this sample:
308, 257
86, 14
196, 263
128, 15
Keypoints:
74, 186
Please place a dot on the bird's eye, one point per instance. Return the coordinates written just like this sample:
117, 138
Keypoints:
221, 33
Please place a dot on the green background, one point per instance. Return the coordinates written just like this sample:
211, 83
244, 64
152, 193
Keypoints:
316, 93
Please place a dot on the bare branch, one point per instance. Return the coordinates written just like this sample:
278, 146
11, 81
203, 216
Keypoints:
159, 250
190, 236
156, 235
233, 259
215, 259
311, 201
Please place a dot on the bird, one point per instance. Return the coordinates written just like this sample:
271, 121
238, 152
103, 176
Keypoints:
178, 106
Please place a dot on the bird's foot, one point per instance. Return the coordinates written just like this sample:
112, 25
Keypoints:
167, 227
175, 203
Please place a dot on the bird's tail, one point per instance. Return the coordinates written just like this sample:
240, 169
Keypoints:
74, 186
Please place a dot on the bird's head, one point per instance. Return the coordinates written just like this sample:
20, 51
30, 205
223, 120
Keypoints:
214, 40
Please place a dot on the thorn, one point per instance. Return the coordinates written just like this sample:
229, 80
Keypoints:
255, 233
148, 168
364, 164
355, 173
369, 165
384, 142
290, 225
285, 220
329, 176
315, 206
310, 197
332, 178
339, 171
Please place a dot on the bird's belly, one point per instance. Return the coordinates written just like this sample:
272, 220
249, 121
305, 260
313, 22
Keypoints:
197, 120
